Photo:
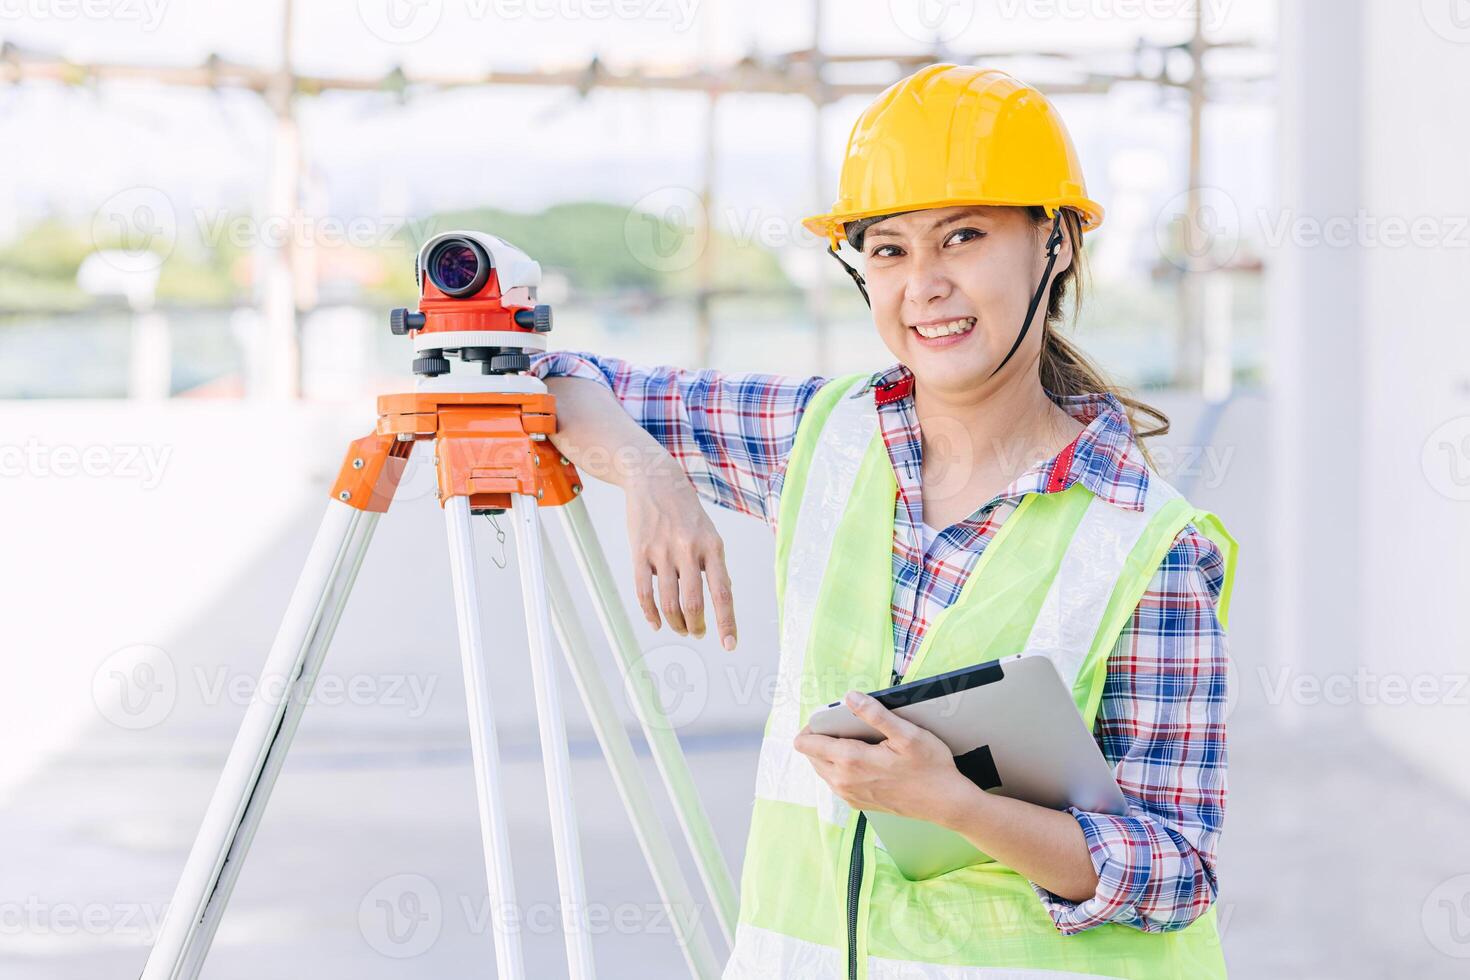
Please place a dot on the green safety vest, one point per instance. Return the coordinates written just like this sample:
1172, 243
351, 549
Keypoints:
819, 897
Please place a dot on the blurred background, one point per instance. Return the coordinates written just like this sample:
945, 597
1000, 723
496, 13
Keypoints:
208, 208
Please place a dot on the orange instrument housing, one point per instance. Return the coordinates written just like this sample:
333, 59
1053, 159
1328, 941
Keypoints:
487, 309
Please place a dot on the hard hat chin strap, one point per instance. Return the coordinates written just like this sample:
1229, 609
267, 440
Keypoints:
857, 276
1053, 247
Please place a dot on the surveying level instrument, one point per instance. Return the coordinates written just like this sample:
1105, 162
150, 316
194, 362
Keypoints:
490, 432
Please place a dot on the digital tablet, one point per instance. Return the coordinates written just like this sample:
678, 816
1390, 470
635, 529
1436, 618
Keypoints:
1014, 731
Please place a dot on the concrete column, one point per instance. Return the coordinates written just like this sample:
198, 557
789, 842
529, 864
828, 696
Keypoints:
1414, 588
1317, 351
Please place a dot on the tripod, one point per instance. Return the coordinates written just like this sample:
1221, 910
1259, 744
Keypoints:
491, 454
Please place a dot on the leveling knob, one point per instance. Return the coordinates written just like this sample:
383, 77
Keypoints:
537, 318
401, 321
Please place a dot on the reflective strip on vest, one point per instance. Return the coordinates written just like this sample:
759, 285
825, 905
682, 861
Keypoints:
833, 472
1078, 597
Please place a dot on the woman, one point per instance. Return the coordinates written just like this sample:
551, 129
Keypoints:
985, 495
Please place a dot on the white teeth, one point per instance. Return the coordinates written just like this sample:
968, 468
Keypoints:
933, 330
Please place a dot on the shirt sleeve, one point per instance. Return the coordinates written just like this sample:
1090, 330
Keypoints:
732, 434
1161, 723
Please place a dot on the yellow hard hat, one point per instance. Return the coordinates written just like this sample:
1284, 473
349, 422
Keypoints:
954, 134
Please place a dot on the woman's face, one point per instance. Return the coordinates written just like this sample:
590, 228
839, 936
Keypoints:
964, 276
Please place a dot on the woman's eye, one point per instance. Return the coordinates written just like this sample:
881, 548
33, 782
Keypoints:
879, 252
969, 233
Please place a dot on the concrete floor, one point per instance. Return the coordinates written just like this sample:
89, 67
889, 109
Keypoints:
1339, 859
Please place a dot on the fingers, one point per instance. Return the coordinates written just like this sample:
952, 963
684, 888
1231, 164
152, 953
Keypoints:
691, 595
643, 589
812, 745
668, 590
682, 576
825, 749
888, 724
722, 595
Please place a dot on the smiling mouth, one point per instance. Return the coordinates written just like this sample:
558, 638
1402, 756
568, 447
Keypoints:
933, 331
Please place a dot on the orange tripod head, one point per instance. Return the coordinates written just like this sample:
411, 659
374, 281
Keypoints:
477, 301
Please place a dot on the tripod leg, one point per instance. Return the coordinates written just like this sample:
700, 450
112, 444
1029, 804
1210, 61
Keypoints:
553, 739
646, 705
260, 745
494, 836
617, 748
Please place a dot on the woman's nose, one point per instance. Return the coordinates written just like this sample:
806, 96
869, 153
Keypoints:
927, 281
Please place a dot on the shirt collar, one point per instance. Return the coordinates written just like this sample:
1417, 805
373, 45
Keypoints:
1106, 458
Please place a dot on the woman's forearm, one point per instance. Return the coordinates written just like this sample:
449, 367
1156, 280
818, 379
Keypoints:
1044, 845
601, 439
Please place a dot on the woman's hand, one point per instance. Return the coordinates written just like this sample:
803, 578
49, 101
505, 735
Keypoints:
673, 539
911, 773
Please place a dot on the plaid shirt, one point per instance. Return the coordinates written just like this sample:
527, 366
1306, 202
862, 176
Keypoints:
1161, 723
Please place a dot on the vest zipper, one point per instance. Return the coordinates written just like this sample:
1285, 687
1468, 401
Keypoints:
854, 893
